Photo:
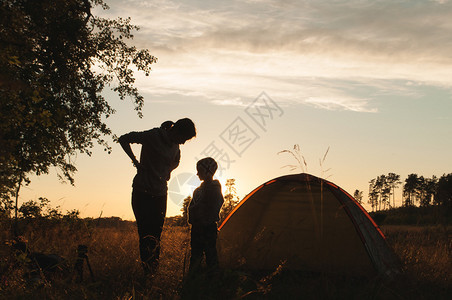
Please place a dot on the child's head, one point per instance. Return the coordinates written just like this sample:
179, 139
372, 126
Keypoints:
181, 131
206, 167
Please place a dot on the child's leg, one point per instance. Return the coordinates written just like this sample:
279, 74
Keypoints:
211, 232
197, 248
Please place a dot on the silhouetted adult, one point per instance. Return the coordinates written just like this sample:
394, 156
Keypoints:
160, 154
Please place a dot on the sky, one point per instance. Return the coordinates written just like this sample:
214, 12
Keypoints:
363, 87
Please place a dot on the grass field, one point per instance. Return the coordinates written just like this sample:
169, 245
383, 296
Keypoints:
113, 255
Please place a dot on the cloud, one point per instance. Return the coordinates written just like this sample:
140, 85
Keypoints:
338, 103
234, 50
231, 102
382, 29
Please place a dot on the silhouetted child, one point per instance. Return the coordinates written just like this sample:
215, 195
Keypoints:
203, 215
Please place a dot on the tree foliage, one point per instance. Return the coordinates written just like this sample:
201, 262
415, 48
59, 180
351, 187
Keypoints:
184, 210
6, 207
393, 181
358, 195
381, 189
55, 60
419, 190
42, 209
443, 193
33, 209
230, 199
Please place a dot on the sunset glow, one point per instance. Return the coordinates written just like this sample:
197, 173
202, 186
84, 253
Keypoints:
369, 80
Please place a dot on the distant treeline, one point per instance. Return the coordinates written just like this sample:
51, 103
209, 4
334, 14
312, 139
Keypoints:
411, 215
417, 191
425, 201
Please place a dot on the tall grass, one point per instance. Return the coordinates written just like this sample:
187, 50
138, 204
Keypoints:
114, 258
425, 251
113, 255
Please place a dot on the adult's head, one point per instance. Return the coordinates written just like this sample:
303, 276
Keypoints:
182, 131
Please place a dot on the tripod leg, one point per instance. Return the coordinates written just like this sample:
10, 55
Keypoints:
89, 268
79, 269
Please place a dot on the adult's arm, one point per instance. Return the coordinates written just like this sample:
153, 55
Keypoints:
125, 141
176, 161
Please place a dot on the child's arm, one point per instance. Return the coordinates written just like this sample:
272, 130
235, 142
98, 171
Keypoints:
211, 202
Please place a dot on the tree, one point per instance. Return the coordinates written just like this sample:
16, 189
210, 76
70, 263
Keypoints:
393, 182
34, 209
42, 209
427, 188
31, 209
55, 60
358, 195
411, 189
230, 199
184, 209
443, 194
373, 195
379, 192
6, 206
385, 191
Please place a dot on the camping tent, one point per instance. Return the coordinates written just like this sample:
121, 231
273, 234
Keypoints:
310, 224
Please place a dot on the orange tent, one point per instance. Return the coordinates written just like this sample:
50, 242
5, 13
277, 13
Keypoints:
310, 224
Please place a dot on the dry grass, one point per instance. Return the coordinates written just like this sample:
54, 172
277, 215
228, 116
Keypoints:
113, 253
425, 251
114, 258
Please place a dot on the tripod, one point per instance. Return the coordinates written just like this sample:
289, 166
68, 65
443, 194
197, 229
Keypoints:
82, 256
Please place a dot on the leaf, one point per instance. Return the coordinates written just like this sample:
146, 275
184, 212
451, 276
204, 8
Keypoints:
63, 65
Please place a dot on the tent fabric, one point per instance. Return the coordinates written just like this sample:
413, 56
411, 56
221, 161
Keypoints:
307, 223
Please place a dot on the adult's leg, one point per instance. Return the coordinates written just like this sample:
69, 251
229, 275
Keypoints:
150, 214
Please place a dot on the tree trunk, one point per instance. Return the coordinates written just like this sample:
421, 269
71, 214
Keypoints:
19, 184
